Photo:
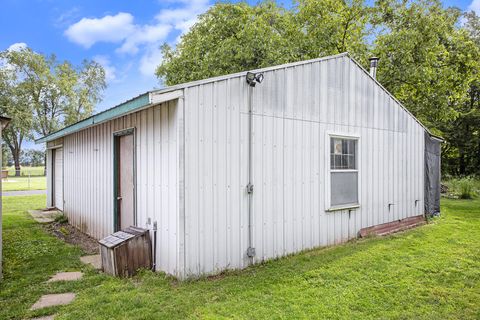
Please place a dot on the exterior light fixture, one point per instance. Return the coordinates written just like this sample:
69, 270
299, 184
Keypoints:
254, 78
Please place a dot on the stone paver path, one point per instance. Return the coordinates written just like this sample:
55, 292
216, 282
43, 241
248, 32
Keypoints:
93, 260
23, 192
66, 276
50, 300
45, 318
44, 216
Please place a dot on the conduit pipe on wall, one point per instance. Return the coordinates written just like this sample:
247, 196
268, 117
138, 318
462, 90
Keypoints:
154, 264
250, 249
252, 80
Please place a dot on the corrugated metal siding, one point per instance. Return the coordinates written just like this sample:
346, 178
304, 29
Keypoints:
89, 181
294, 110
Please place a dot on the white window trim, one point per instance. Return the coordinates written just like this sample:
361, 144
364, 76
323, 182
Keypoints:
328, 171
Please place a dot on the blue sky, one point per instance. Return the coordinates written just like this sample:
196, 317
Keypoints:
123, 36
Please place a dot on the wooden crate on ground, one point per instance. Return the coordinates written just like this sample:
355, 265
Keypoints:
124, 252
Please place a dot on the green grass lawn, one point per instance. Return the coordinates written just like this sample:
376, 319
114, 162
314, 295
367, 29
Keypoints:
432, 272
24, 183
25, 171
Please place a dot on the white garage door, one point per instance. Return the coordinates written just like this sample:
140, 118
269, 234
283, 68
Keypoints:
58, 179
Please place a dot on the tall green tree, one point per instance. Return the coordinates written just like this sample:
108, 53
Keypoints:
14, 103
42, 94
427, 61
230, 37
430, 59
332, 26
33, 158
461, 154
431, 65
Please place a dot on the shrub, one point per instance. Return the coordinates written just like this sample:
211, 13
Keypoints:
466, 188
462, 188
61, 219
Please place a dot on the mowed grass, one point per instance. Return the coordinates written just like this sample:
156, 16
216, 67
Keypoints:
25, 171
432, 272
24, 183
30, 256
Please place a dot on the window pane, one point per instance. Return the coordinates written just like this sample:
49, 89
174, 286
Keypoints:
338, 161
344, 162
344, 189
351, 162
337, 146
351, 147
343, 153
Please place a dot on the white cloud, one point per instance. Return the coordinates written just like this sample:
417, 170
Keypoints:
183, 18
145, 35
150, 60
110, 71
135, 38
87, 32
475, 6
66, 18
17, 46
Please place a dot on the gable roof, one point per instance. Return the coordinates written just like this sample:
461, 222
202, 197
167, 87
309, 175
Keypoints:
154, 97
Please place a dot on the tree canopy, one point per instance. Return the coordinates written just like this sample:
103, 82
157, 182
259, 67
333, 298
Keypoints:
428, 63
42, 95
429, 54
230, 37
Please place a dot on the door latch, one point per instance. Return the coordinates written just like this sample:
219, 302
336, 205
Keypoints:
249, 188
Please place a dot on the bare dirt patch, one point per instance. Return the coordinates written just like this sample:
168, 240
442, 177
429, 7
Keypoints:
72, 235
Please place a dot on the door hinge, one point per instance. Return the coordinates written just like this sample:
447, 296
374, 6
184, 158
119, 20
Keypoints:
249, 188
251, 252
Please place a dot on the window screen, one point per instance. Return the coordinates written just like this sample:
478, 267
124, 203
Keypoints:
343, 171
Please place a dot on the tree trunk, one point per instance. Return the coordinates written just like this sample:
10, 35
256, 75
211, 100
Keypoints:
13, 140
461, 166
16, 160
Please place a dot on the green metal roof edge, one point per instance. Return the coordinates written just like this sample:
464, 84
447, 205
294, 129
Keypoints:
117, 111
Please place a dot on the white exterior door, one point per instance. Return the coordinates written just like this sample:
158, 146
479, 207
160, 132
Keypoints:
58, 179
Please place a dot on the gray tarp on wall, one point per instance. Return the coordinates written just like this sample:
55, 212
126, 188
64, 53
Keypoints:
432, 174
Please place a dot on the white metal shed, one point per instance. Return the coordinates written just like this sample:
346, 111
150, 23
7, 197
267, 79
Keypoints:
233, 174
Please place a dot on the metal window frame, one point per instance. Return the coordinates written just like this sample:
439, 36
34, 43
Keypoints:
328, 171
115, 136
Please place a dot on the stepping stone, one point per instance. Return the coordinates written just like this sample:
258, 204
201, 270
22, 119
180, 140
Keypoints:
93, 260
44, 318
66, 276
51, 300
44, 216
